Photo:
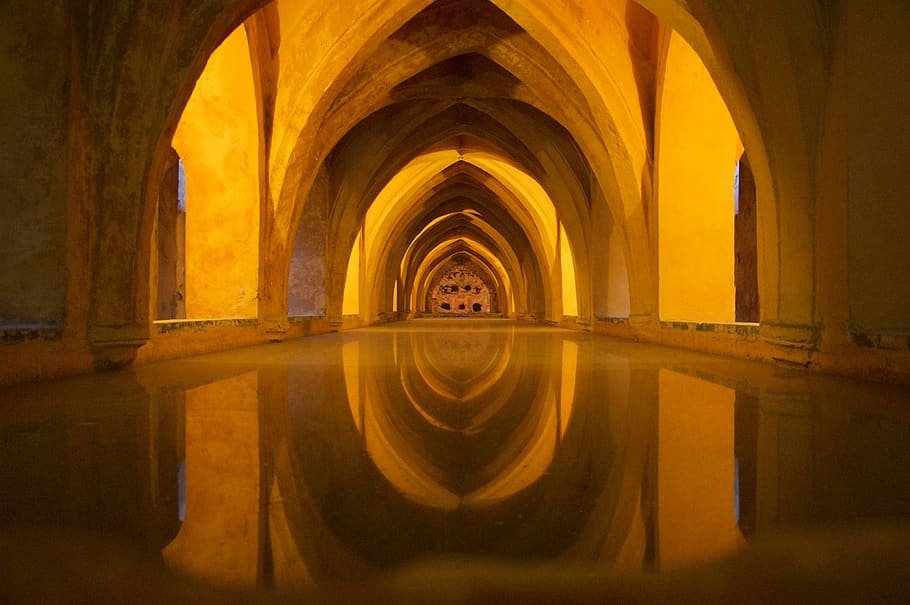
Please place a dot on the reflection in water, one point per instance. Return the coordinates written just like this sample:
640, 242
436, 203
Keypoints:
455, 422
446, 445
326, 459
696, 470
219, 538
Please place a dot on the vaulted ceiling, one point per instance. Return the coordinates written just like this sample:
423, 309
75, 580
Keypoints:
460, 131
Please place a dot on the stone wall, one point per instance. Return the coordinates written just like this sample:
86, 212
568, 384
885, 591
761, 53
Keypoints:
33, 152
462, 287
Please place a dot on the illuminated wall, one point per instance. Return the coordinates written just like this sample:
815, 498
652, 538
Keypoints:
697, 151
567, 269
351, 300
218, 141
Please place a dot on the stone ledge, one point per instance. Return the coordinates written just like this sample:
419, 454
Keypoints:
17, 334
460, 315
748, 330
174, 325
801, 339
610, 319
301, 319
892, 341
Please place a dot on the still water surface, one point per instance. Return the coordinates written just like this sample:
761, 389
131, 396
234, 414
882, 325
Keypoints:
329, 458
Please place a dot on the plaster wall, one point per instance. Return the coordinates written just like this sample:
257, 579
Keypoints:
183, 338
698, 148
400, 205
33, 155
351, 301
217, 139
832, 191
567, 271
878, 149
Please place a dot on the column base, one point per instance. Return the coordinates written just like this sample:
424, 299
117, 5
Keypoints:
115, 346
791, 336
274, 330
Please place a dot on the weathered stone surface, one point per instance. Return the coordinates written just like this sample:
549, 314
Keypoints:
461, 287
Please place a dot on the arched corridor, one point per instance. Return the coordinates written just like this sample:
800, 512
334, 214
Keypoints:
462, 132
536, 261
337, 157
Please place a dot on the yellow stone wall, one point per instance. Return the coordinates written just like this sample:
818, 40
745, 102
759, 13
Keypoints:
567, 270
697, 151
218, 141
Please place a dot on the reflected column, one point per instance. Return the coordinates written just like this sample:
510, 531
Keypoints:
622, 431
696, 516
219, 540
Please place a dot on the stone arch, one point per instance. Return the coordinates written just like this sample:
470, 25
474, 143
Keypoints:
466, 204
465, 271
501, 208
605, 159
787, 265
499, 263
758, 84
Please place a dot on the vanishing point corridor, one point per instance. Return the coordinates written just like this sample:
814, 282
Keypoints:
454, 301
